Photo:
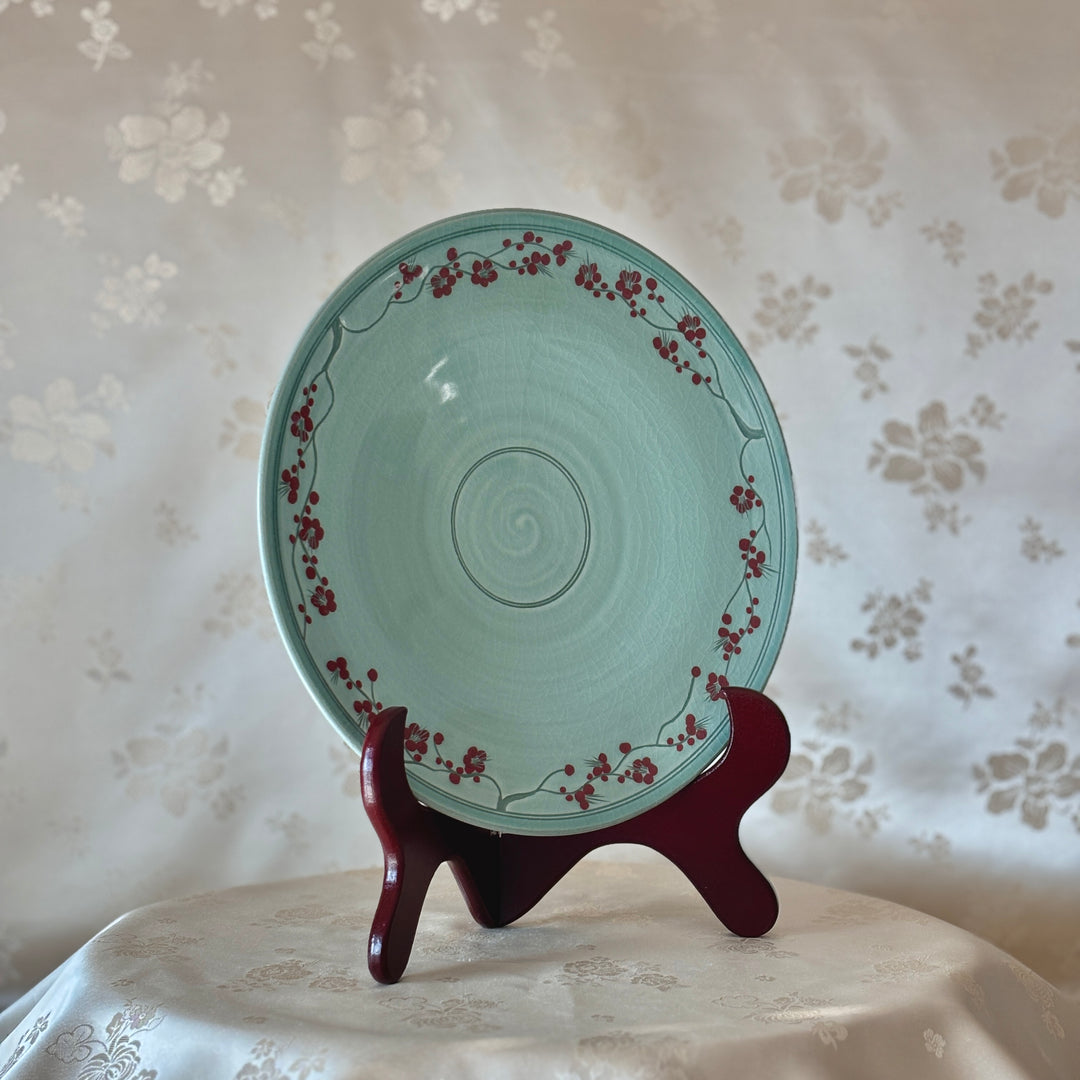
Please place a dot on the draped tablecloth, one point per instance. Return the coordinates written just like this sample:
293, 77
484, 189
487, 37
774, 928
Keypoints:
620, 972
882, 197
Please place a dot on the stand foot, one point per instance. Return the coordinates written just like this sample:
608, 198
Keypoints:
502, 876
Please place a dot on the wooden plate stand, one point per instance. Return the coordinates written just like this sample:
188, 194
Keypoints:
503, 875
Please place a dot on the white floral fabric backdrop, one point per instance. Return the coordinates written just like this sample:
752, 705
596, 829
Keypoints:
882, 198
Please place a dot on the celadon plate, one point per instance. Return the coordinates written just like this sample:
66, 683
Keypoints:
521, 478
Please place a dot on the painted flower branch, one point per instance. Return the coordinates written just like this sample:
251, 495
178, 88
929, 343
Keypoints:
680, 339
297, 487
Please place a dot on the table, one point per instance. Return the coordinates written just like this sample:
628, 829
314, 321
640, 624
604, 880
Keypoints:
620, 972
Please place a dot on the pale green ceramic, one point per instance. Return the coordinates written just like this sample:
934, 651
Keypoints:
521, 478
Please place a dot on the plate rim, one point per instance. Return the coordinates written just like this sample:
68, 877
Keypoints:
314, 331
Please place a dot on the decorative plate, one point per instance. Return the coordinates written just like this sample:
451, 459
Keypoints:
520, 477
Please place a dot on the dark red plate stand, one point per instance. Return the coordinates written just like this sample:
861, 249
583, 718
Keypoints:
503, 875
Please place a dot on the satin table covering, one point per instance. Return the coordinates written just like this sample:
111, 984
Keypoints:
620, 972
882, 197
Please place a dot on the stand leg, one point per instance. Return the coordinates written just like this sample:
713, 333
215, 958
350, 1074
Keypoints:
502, 877
415, 840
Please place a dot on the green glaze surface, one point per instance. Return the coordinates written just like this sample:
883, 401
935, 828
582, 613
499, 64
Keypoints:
520, 477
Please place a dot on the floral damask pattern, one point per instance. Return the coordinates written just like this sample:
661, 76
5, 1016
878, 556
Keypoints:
40, 8
694, 16
241, 431
951, 238
969, 685
166, 945
1045, 165
264, 9
346, 766
626, 1053
827, 779
103, 43
614, 153
1043, 996
399, 144
547, 54
486, 11
218, 342
108, 667
270, 1061
326, 43
1005, 312
936, 847
729, 235
1035, 547
597, 970
794, 1008
64, 431
935, 455
68, 213
178, 761
118, 1054
241, 604
935, 1043
130, 297
472, 1014
896, 620
868, 360
785, 310
169, 527
26, 1039
178, 144
836, 165
1039, 777
819, 548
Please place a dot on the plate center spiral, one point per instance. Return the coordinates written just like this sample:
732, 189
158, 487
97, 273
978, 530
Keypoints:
520, 526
